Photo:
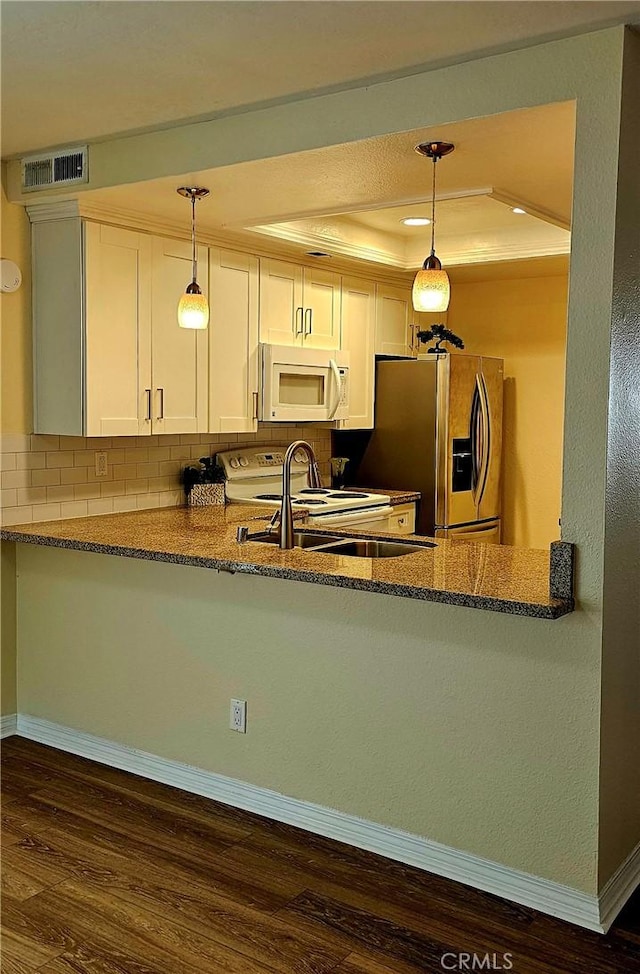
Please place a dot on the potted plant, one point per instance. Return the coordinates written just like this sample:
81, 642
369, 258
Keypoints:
204, 484
439, 334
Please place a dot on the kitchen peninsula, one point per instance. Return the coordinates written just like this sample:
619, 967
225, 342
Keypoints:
517, 581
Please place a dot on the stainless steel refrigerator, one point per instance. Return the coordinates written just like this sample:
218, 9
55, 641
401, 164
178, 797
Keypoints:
438, 429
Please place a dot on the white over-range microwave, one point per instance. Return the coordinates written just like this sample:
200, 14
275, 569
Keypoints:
303, 384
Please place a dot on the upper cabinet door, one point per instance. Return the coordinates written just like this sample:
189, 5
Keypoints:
322, 306
117, 266
281, 305
233, 342
178, 355
394, 316
358, 332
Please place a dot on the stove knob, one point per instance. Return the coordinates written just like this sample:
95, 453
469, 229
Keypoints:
233, 462
244, 462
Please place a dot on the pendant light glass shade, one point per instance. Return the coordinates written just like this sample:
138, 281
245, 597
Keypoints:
431, 287
431, 291
193, 307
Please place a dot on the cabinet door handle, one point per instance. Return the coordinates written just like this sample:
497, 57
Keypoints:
161, 394
147, 393
308, 317
300, 318
255, 405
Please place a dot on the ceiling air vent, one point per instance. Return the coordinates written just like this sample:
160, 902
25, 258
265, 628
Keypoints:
62, 168
317, 253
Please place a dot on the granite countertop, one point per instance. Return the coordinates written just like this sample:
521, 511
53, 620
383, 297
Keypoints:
497, 577
395, 496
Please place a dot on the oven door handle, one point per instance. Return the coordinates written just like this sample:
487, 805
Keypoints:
349, 517
336, 373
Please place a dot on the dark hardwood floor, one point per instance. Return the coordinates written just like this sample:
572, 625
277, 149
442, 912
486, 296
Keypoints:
106, 873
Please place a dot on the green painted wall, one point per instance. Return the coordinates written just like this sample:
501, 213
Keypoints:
468, 727
8, 701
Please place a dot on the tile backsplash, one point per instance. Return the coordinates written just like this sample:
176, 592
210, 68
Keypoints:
48, 477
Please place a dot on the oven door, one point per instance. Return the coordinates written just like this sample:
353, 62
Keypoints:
303, 385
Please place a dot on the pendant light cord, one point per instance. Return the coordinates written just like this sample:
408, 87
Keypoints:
433, 208
194, 263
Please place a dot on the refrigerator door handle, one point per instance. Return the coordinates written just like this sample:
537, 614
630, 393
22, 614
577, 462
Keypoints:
485, 421
476, 437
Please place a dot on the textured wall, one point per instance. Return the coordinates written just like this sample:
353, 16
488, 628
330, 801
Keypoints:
525, 323
465, 726
620, 751
8, 694
15, 342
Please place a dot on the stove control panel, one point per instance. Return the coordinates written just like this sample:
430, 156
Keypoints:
269, 459
247, 462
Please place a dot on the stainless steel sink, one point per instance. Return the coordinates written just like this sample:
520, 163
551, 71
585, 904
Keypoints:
301, 539
340, 544
365, 548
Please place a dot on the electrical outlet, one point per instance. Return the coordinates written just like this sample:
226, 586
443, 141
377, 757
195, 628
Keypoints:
238, 716
101, 464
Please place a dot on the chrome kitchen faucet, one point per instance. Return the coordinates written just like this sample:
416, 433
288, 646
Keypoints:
286, 510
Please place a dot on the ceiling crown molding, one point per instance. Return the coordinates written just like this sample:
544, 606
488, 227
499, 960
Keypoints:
242, 241
60, 210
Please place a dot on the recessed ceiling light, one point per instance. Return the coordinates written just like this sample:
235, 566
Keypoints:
518, 209
416, 221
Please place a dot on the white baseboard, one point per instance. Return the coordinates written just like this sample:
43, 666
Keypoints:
619, 888
8, 725
540, 894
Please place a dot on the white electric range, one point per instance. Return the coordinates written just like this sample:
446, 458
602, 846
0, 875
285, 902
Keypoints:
254, 476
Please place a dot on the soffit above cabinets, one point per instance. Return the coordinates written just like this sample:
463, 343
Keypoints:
474, 228
348, 199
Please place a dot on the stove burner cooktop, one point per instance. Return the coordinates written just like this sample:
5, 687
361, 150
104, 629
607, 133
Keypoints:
348, 495
309, 501
314, 490
268, 497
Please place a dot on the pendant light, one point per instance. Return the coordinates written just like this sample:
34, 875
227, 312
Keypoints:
431, 288
193, 307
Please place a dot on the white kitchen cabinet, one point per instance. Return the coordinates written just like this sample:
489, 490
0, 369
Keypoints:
403, 519
321, 296
299, 305
281, 308
117, 324
179, 366
109, 356
233, 342
358, 338
394, 318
